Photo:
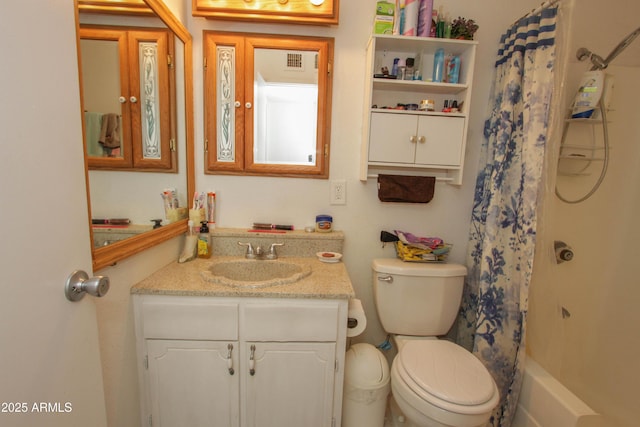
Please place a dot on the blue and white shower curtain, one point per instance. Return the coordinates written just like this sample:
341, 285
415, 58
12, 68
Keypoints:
503, 224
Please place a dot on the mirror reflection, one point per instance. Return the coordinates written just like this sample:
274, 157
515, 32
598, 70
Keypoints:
286, 106
128, 76
125, 204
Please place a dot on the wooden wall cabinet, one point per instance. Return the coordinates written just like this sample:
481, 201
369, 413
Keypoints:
414, 141
318, 12
267, 104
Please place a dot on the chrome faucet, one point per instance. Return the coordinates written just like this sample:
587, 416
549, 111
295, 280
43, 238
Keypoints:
272, 254
258, 252
250, 253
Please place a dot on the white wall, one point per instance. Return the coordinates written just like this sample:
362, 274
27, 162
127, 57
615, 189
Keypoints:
243, 200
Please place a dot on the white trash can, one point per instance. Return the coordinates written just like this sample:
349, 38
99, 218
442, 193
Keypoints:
366, 387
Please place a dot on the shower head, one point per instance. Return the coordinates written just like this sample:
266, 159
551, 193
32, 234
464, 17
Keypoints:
583, 53
598, 63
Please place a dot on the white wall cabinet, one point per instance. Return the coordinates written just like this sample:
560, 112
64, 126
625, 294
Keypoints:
432, 143
415, 140
248, 362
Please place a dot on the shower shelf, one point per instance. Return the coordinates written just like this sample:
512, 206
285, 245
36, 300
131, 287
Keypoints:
581, 147
586, 159
573, 174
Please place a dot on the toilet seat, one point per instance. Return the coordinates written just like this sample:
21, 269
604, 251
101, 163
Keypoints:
446, 376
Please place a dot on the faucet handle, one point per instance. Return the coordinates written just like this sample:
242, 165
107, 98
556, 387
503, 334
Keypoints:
250, 254
272, 251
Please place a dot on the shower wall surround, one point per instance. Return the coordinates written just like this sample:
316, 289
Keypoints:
594, 351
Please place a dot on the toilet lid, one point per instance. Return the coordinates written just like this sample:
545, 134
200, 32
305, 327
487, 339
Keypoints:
447, 371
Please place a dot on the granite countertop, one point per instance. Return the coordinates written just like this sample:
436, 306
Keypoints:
326, 281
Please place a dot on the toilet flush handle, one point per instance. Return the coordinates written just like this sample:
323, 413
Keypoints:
388, 279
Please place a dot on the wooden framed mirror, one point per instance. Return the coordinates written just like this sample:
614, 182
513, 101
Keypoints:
135, 196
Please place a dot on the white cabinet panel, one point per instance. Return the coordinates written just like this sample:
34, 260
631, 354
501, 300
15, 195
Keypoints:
442, 144
190, 384
415, 139
292, 385
184, 319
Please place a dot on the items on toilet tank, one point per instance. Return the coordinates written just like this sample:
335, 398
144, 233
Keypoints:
412, 248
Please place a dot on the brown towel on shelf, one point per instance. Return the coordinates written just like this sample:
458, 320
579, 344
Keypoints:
408, 189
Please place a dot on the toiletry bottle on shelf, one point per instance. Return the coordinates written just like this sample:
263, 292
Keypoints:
438, 66
401, 69
394, 67
204, 241
434, 22
453, 69
409, 69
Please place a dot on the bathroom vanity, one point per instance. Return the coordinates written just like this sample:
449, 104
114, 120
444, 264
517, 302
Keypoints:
243, 355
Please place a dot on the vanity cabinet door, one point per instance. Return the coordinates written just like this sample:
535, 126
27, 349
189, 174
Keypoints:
292, 384
190, 383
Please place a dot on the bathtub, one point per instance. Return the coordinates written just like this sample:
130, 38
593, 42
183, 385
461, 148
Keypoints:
544, 402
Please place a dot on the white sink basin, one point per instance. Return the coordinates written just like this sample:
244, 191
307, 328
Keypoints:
255, 273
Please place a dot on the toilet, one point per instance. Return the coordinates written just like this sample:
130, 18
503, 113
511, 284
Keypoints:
434, 382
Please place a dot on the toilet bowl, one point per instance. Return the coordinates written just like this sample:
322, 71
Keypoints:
434, 382
437, 383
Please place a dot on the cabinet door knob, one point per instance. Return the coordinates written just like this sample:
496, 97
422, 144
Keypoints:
122, 100
248, 105
422, 139
413, 139
237, 104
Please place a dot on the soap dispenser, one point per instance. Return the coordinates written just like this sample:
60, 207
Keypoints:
204, 241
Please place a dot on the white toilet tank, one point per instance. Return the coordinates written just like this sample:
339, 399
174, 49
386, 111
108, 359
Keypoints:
420, 299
